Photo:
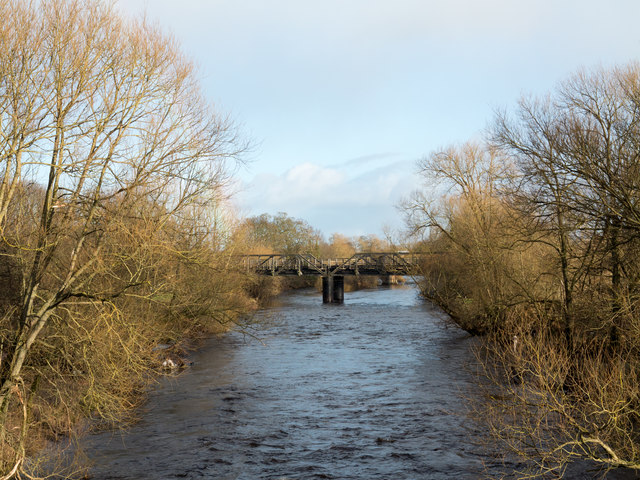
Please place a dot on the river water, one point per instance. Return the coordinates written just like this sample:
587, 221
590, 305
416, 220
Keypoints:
366, 390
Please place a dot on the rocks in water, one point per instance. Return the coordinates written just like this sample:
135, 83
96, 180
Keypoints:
174, 364
169, 364
174, 356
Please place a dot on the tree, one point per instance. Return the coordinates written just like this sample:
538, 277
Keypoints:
578, 165
469, 225
283, 234
371, 243
537, 236
601, 144
542, 190
340, 246
105, 141
578, 174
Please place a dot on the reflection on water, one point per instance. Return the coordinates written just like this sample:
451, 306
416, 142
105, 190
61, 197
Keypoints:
366, 390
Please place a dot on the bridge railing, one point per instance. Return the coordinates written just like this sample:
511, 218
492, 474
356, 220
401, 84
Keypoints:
381, 263
278, 264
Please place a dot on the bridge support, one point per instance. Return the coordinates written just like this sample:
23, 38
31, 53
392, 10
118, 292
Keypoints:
327, 289
333, 289
338, 289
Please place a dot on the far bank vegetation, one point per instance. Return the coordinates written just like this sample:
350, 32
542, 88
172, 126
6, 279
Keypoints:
281, 234
537, 234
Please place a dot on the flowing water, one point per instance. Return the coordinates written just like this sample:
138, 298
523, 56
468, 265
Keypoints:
367, 390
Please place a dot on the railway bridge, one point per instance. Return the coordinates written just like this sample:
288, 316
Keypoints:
333, 270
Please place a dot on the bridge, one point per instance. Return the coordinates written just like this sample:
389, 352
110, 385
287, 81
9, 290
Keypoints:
333, 270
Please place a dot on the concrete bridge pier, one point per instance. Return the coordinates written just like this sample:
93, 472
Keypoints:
333, 289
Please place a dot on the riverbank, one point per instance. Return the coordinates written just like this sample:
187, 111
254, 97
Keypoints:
102, 373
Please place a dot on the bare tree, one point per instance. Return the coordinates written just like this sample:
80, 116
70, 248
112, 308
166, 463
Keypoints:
601, 144
283, 234
462, 211
107, 116
578, 173
546, 255
543, 187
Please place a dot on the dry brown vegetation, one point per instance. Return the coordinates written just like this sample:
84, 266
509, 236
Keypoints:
535, 240
114, 236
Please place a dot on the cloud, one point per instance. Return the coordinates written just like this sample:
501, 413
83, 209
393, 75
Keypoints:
365, 160
298, 184
354, 200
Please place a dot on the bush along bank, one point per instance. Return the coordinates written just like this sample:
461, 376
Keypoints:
535, 247
114, 231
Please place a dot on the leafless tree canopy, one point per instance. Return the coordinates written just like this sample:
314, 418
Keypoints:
538, 238
113, 173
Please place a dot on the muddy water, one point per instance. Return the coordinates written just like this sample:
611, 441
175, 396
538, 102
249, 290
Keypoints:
367, 390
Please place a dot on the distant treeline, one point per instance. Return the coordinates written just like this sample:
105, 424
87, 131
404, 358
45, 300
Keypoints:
282, 234
266, 234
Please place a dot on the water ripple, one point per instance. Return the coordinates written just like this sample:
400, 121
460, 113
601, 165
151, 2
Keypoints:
368, 390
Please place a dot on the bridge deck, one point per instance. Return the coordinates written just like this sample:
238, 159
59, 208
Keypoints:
384, 263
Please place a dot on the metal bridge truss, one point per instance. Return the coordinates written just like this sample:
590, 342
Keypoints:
384, 263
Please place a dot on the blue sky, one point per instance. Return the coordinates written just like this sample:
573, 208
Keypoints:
341, 98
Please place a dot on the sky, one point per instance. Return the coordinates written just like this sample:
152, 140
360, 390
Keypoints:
341, 98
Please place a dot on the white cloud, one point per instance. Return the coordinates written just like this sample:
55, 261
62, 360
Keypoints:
311, 78
343, 199
299, 184
307, 177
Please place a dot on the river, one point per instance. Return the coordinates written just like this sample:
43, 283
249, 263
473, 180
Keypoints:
366, 390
